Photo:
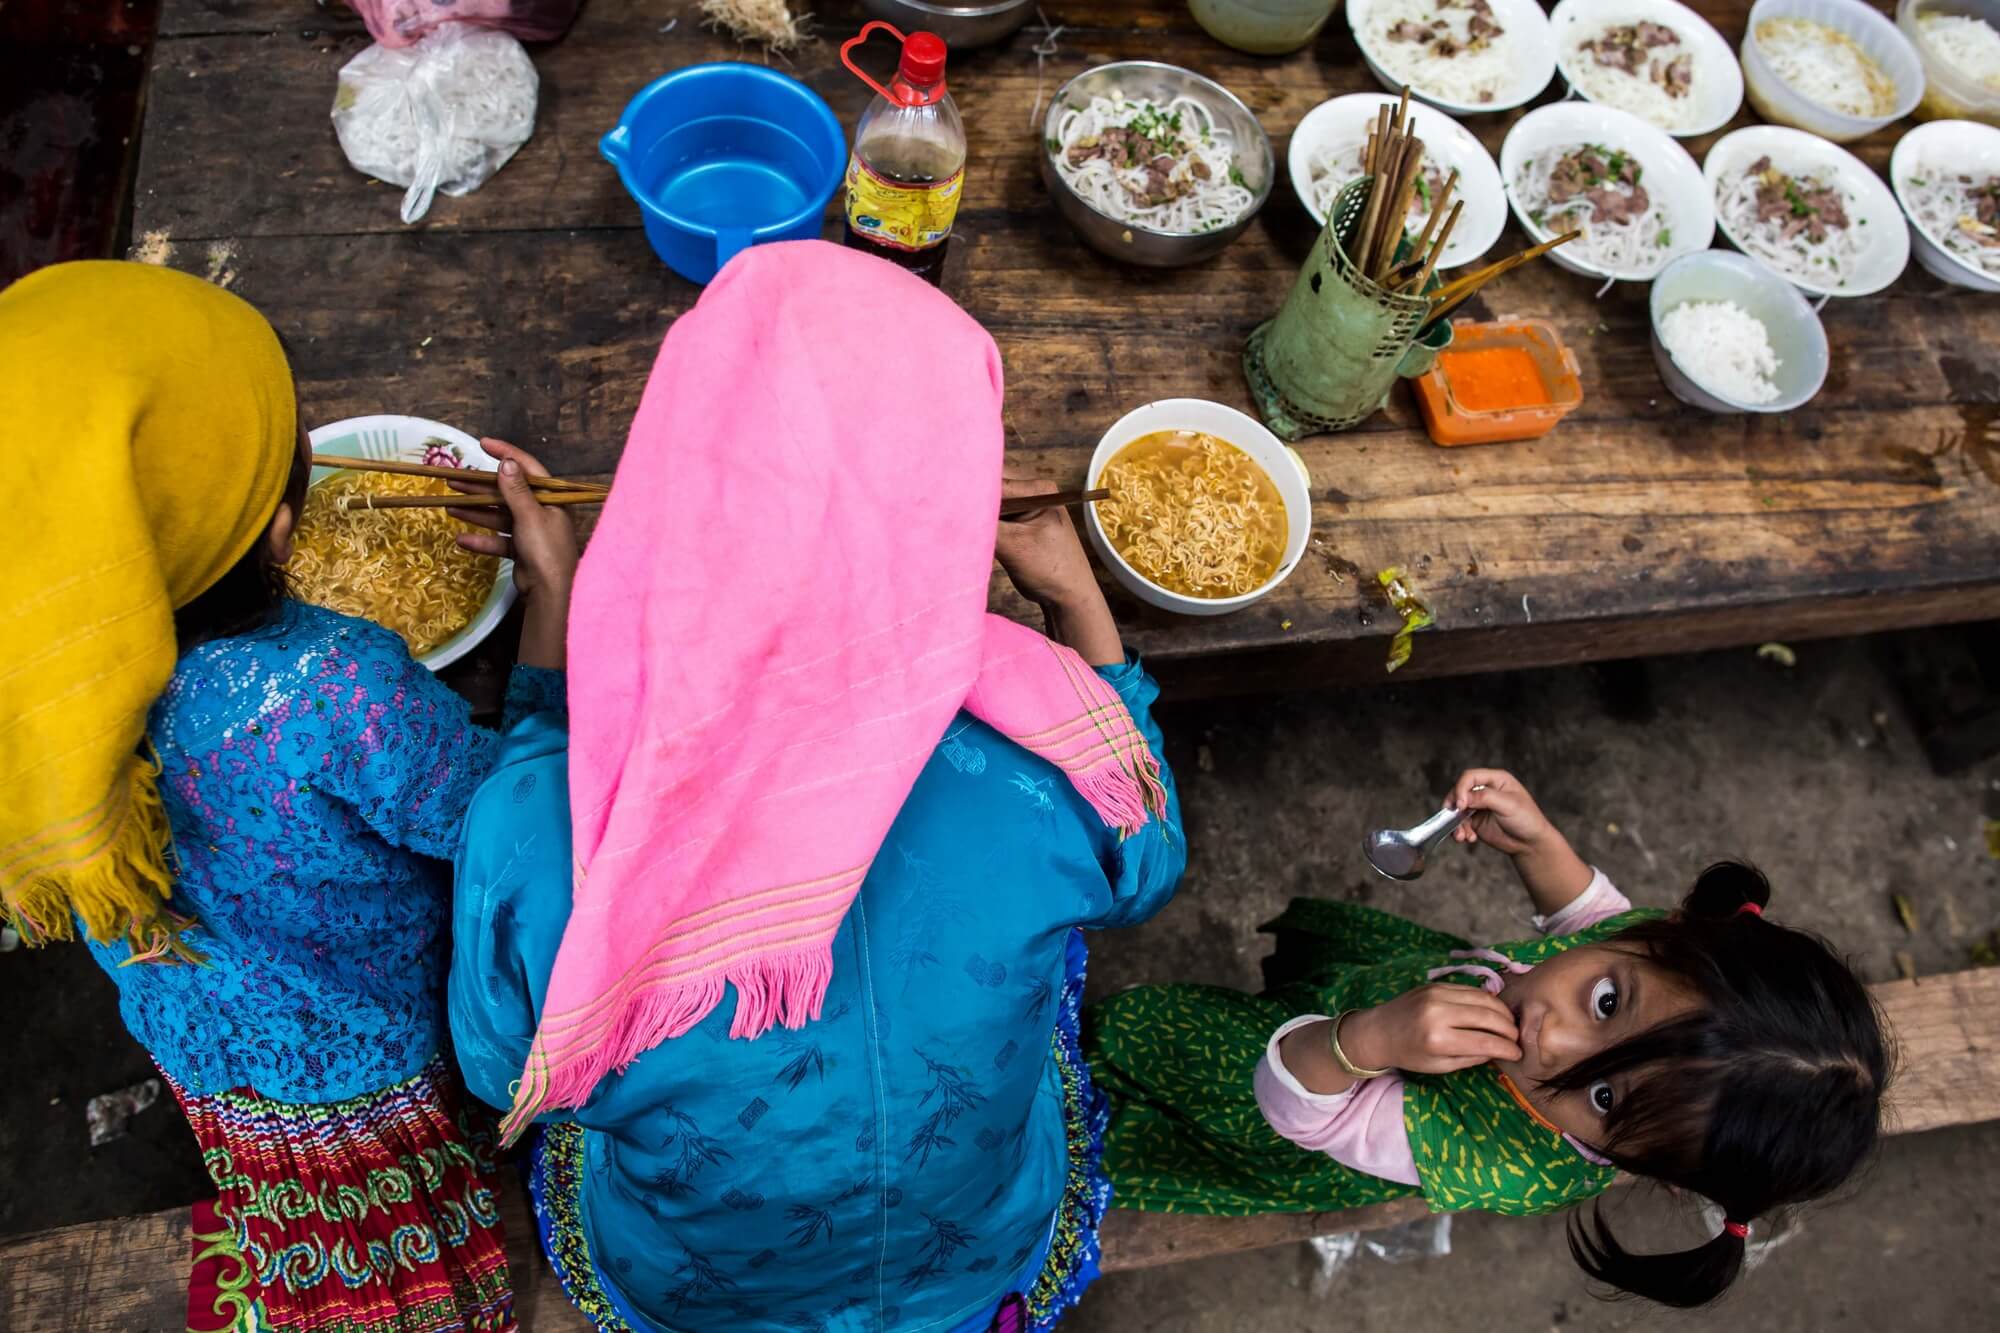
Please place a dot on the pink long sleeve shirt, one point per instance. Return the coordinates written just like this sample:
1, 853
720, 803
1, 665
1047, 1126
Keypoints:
1362, 1127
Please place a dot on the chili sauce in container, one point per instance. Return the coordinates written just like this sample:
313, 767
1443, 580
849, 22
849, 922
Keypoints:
1512, 379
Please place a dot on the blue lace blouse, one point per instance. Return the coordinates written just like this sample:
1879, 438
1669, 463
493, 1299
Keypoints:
315, 777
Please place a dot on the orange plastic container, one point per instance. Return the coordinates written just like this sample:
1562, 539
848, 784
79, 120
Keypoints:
1451, 422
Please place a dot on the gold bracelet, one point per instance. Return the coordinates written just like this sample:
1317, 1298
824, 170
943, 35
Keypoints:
1348, 1066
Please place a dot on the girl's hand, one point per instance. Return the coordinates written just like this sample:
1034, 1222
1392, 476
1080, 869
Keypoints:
540, 539
1432, 1030
1044, 560
1506, 819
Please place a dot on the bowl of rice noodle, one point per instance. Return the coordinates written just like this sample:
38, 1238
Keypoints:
1808, 210
1208, 510
1635, 194
1655, 58
1958, 42
401, 568
1154, 164
1326, 150
1464, 56
1947, 178
1834, 68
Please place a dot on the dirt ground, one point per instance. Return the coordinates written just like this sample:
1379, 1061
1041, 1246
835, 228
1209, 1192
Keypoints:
1653, 769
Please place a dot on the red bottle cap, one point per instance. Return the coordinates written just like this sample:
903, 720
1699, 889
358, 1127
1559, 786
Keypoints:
923, 58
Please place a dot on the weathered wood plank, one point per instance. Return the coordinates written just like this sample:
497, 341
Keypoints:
129, 1274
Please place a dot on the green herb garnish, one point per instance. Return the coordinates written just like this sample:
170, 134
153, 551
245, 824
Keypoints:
1236, 177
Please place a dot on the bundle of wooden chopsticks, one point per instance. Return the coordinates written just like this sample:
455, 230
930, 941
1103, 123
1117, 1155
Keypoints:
1394, 161
562, 491
548, 490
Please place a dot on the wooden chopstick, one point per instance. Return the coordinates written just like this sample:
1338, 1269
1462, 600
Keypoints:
1452, 294
1399, 206
364, 501
1438, 208
1437, 248
1020, 506
475, 475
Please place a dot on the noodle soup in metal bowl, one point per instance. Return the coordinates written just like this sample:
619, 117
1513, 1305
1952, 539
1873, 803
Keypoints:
392, 563
1154, 164
1208, 511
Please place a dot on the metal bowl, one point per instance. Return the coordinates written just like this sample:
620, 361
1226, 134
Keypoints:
962, 26
1160, 83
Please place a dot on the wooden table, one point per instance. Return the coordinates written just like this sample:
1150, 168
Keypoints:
532, 310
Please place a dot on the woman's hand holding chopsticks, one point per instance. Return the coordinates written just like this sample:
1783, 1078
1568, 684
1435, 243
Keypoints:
541, 541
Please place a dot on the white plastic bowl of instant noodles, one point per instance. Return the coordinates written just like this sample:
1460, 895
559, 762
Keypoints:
1924, 170
1714, 92
1327, 145
1280, 464
1509, 71
1859, 259
416, 440
1679, 220
1834, 70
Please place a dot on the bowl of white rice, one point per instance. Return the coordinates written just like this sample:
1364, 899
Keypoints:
1636, 195
1325, 154
1464, 56
1657, 59
1958, 42
1729, 335
1808, 210
1947, 178
1834, 68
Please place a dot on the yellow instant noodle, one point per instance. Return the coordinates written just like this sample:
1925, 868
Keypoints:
1193, 514
401, 568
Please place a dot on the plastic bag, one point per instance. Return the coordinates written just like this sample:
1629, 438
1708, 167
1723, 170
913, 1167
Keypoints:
398, 23
1425, 1238
444, 114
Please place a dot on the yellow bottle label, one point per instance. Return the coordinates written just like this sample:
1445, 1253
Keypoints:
909, 217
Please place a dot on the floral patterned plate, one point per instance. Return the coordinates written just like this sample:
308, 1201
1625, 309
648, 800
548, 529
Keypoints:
415, 440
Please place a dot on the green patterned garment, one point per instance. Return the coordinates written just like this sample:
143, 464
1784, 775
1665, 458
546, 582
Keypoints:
1186, 1135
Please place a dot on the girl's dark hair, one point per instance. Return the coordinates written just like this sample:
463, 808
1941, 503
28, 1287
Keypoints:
250, 592
1767, 1095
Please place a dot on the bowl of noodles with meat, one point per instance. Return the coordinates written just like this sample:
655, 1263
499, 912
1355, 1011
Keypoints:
1657, 59
1635, 194
401, 568
1808, 210
1208, 510
1947, 179
1468, 57
1154, 164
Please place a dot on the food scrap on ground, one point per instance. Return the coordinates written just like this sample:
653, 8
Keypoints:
1779, 653
1906, 912
1416, 615
768, 21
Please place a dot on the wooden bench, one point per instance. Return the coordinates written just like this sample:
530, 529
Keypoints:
129, 1275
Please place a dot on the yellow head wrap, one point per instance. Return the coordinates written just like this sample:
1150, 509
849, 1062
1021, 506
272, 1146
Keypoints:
149, 424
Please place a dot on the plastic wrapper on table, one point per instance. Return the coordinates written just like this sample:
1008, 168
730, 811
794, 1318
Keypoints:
444, 114
1424, 1238
396, 23
108, 1113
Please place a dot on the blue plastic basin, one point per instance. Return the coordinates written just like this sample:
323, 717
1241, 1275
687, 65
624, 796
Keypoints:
724, 156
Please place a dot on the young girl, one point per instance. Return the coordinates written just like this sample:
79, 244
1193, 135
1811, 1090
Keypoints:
243, 799
1711, 1049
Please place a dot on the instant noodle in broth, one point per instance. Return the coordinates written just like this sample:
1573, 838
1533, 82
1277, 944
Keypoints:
1193, 514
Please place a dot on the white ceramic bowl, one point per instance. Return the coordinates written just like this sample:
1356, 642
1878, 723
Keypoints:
415, 440
1774, 99
1533, 63
1283, 467
1447, 143
1718, 80
1949, 92
1975, 149
1667, 173
1795, 331
1886, 248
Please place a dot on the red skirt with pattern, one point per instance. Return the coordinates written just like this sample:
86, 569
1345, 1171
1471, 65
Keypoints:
379, 1214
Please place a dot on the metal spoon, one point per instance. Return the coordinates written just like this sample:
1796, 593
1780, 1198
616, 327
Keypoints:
1400, 853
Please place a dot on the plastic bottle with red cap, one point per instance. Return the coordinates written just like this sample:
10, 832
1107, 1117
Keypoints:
907, 170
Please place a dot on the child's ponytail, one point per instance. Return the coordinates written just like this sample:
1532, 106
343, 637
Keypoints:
1766, 1095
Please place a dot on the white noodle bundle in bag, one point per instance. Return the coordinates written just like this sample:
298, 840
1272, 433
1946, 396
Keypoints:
443, 114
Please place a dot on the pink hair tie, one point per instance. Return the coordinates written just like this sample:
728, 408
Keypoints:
1752, 908
1740, 1230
